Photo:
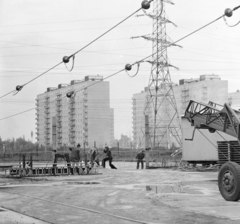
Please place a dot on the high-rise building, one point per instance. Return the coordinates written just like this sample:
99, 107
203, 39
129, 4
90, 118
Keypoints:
204, 89
83, 117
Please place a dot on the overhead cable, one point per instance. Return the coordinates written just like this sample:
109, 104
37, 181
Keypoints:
145, 5
129, 66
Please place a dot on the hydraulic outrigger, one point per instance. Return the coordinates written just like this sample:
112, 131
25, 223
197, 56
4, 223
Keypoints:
215, 117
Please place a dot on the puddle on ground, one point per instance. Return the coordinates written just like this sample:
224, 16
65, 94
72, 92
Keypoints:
171, 188
166, 188
83, 182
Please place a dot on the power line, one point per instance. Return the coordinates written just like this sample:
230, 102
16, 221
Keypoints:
142, 60
18, 113
70, 30
70, 21
19, 87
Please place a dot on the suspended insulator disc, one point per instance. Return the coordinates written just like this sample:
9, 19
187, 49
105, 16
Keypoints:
69, 94
228, 12
145, 4
18, 88
65, 59
128, 67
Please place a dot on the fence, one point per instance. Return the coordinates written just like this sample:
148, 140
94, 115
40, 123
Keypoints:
157, 158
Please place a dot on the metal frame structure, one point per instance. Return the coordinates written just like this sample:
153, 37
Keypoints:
161, 107
214, 117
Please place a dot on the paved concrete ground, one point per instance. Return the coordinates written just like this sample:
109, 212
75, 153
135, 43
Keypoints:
122, 196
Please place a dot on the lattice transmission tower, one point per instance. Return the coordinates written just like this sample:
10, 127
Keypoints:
161, 108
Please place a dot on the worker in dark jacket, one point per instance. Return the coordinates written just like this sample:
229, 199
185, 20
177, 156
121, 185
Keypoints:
107, 156
75, 155
140, 156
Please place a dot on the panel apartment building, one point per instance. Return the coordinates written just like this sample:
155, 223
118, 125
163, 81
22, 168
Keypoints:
85, 117
203, 89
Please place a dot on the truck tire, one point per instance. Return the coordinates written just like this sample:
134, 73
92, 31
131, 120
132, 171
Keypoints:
229, 181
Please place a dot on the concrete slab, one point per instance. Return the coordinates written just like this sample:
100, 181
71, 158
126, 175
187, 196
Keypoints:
125, 195
10, 217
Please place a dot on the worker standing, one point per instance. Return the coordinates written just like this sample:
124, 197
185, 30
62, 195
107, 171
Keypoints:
75, 155
140, 156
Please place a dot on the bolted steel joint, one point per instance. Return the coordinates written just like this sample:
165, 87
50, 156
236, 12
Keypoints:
65, 59
128, 67
145, 4
18, 88
228, 12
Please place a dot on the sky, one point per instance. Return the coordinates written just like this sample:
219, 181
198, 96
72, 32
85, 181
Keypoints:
35, 35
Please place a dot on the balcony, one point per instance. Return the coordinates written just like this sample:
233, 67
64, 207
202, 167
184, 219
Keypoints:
59, 137
71, 124
71, 113
71, 101
72, 118
72, 136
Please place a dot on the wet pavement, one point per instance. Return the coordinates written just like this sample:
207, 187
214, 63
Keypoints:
125, 195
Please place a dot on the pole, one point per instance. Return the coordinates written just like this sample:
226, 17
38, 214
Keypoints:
147, 141
118, 147
85, 155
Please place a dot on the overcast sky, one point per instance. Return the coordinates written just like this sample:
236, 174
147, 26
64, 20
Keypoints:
35, 35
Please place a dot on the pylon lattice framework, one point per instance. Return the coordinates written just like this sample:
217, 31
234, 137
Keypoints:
161, 107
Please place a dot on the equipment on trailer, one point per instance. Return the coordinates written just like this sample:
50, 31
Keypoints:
26, 168
215, 117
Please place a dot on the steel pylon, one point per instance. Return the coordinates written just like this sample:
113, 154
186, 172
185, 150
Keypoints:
161, 107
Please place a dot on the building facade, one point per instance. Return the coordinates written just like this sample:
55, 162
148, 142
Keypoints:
83, 117
204, 89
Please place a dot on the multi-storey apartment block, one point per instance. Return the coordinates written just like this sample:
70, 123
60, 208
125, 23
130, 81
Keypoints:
75, 113
204, 89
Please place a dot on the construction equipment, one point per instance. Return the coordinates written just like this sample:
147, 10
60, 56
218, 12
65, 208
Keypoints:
215, 117
26, 169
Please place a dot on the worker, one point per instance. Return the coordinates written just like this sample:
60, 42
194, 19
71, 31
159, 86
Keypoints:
97, 155
140, 156
75, 155
107, 156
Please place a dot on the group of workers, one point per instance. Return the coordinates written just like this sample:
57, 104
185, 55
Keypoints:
94, 157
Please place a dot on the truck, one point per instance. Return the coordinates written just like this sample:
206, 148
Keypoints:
220, 118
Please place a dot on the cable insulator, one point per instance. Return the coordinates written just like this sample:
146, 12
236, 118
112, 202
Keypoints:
128, 67
145, 4
19, 88
65, 59
70, 94
138, 64
228, 12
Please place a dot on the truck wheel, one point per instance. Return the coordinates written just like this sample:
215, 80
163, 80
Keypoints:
229, 181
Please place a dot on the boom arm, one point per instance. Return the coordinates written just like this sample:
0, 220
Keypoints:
213, 117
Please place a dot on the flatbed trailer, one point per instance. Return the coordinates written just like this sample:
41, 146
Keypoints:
215, 117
